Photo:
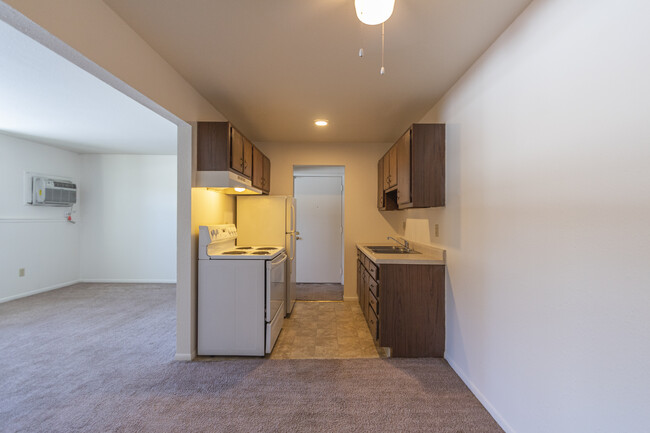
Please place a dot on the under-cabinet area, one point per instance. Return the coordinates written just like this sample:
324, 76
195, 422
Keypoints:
412, 173
403, 302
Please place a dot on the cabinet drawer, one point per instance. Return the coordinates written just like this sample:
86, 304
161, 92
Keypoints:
374, 304
373, 324
372, 268
373, 287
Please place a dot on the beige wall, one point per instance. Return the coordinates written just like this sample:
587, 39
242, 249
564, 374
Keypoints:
362, 221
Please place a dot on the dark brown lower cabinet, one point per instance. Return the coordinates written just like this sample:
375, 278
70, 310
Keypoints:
404, 306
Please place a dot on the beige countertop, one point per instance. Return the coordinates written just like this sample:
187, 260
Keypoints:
429, 255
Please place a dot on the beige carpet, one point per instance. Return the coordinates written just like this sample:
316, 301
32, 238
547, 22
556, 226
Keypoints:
98, 358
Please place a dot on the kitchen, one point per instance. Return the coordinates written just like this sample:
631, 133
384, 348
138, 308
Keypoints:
532, 311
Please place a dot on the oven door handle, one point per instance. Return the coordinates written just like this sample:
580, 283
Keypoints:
279, 259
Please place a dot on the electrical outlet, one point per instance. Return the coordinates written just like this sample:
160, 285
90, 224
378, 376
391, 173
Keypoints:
21, 272
436, 230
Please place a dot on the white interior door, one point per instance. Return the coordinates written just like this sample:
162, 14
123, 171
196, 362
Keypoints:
319, 212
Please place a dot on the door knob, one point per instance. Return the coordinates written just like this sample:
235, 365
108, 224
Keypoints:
298, 238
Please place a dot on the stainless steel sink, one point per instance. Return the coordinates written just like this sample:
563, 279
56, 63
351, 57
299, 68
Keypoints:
390, 249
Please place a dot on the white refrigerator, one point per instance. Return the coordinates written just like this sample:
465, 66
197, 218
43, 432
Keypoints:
270, 220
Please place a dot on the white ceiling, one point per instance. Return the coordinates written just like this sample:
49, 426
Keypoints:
46, 98
272, 67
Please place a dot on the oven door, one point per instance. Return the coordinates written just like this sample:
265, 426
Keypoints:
276, 286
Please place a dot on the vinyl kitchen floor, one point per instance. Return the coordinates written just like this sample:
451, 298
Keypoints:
325, 330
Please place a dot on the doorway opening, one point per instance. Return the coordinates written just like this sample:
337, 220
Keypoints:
319, 192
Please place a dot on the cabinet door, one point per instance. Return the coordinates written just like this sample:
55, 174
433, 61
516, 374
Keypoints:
367, 295
266, 178
385, 162
236, 150
248, 158
258, 168
364, 293
360, 283
380, 184
404, 169
392, 160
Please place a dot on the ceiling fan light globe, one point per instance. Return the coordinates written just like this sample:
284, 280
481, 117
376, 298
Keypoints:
373, 12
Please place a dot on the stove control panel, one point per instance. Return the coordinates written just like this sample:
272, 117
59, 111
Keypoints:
222, 232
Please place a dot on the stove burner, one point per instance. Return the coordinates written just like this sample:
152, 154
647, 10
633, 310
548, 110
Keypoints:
266, 248
260, 253
234, 253
244, 248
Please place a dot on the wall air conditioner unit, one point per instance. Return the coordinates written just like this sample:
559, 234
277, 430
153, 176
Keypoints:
47, 191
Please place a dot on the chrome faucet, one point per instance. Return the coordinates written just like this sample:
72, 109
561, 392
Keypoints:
405, 244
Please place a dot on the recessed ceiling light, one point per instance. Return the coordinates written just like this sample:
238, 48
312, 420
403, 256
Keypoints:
321, 122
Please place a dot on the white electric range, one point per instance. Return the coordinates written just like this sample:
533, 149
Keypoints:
241, 294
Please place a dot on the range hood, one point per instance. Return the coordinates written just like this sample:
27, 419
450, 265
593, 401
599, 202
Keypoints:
226, 182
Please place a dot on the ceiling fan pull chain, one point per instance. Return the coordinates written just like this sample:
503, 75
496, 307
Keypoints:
382, 71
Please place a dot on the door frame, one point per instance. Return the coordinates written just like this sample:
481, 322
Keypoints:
186, 268
326, 171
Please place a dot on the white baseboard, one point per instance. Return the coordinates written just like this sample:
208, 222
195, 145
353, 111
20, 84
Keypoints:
37, 291
126, 281
350, 298
69, 283
185, 356
479, 395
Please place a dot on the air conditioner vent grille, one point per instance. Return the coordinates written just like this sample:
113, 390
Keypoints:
53, 192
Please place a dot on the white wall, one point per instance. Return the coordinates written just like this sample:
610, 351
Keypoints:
129, 222
547, 223
36, 238
125, 220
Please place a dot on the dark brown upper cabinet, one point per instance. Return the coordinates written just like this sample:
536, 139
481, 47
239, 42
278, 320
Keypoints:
390, 168
247, 164
380, 184
213, 146
221, 147
415, 177
266, 176
236, 151
261, 170
241, 157
258, 168
404, 169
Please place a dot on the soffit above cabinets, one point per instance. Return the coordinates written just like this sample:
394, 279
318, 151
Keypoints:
272, 67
